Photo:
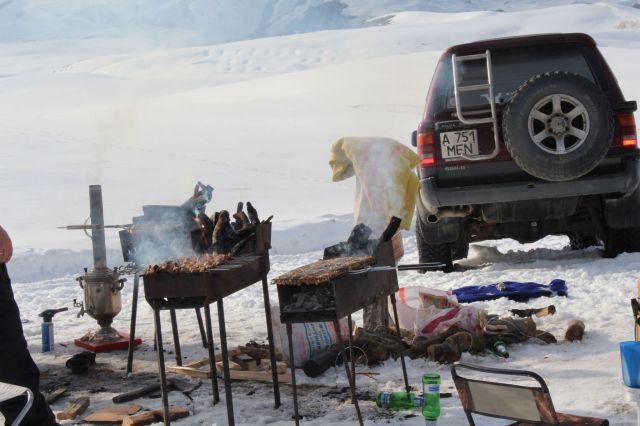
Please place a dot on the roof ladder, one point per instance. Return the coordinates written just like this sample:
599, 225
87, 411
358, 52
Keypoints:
457, 90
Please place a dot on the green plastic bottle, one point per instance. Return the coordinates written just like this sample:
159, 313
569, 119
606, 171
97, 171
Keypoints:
500, 349
398, 400
431, 395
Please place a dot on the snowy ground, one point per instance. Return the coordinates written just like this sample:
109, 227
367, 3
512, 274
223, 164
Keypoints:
599, 290
255, 119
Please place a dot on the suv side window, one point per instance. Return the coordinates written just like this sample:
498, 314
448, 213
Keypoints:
513, 67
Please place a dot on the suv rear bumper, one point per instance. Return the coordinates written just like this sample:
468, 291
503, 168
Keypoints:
433, 197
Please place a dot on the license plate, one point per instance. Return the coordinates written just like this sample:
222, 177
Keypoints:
459, 143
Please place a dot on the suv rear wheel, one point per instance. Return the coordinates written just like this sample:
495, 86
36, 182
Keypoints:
437, 252
558, 126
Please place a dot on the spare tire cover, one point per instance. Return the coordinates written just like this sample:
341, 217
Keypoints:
558, 126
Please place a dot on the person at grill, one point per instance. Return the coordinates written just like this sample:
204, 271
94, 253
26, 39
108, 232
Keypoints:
16, 365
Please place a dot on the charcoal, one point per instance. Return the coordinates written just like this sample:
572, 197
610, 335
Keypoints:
316, 299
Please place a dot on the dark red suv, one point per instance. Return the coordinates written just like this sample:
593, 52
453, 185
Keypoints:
525, 137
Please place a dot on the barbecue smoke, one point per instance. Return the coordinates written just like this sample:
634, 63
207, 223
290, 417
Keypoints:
166, 232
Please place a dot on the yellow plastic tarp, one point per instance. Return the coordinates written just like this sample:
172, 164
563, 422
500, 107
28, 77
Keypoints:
386, 184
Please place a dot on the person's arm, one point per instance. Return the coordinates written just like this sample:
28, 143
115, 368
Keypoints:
6, 248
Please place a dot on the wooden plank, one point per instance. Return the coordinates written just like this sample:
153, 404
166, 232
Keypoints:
154, 416
112, 414
53, 396
198, 364
258, 376
189, 371
232, 366
281, 367
72, 410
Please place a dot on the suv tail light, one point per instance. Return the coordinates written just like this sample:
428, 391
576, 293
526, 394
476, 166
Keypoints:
426, 148
627, 126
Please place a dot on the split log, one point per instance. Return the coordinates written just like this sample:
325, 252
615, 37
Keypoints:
72, 410
154, 416
242, 222
253, 213
376, 315
575, 331
136, 393
420, 344
258, 351
453, 346
377, 346
53, 396
539, 312
222, 222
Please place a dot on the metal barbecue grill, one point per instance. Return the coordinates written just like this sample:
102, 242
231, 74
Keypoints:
307, 300
171, 291
162, 232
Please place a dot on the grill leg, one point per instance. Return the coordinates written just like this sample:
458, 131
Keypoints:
353, 364
395, 318
212, 355
336, 325
296, 416
203, 336
272, 350
176, 337
163, 376
225, 363
132, 326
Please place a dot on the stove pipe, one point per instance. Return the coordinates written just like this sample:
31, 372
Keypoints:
97, 231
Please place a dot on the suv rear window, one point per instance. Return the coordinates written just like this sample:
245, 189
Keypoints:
511, 68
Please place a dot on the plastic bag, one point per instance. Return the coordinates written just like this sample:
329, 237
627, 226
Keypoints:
430, 312
308, 339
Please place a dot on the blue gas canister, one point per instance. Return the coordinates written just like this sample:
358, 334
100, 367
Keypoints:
47, 336
46, 328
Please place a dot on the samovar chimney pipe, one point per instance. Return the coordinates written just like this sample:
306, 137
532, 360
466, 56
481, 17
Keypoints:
97, 231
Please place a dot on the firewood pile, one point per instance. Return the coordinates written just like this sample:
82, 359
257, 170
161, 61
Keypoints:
222, 235
249, 362
447, 347
323, 270
190, 265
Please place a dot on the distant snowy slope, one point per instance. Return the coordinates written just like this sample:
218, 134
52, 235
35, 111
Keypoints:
191, 22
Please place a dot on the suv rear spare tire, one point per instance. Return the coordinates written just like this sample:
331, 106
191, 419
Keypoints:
558, 126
